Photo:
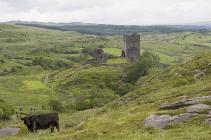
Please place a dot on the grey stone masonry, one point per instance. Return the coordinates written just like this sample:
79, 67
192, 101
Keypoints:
131, 48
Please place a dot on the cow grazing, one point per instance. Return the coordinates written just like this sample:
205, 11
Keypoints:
41, 121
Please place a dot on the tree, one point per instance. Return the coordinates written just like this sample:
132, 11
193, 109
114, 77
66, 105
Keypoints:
141, 66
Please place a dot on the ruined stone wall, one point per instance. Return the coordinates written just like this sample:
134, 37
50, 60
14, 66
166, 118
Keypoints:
99, 55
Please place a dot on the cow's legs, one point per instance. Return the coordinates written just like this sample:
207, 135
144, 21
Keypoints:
57, 126
29, 128
52, 128
34, 127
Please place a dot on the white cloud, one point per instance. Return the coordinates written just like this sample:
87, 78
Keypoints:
137, 12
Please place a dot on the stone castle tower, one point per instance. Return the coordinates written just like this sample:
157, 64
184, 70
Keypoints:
131, 48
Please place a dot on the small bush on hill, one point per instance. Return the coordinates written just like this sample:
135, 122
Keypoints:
141, 66
124, 89
96, 98
5, 110
2, 61
87, 50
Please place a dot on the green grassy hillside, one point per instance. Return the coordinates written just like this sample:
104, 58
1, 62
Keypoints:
38, 66
123, 117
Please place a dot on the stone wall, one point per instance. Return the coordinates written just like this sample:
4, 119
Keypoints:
131, 48
99, 55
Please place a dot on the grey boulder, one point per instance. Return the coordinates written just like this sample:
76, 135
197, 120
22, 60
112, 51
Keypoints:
198, 108
161, 121
157, 121
9, 131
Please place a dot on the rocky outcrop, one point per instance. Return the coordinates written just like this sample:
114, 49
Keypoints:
161, 121
200, 73
208, 120
184, 117
178, 104
209, 114
185, 102
9, 131
194, 107
198, 108
157, 121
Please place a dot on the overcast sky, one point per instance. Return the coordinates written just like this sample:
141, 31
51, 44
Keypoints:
136, 12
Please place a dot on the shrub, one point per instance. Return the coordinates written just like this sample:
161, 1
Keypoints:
95, 98
141, 66
56, 106
124, 89
2, 61
87, 50
5, 110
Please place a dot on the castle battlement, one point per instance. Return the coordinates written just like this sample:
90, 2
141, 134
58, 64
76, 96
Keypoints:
132, 37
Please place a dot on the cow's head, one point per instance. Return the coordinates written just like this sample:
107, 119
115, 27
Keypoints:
27, 120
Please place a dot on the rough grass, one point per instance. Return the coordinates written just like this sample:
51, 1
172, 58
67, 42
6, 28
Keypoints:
123, 118
114, 51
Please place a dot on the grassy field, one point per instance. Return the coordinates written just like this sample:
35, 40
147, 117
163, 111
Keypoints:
123, 117
94, 99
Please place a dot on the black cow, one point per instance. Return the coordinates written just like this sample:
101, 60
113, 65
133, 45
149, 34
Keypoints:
42, 121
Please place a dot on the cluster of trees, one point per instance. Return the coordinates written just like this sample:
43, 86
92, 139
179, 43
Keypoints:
83, 101
142, 66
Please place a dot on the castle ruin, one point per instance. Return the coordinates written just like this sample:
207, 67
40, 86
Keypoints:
131, 48
99, 55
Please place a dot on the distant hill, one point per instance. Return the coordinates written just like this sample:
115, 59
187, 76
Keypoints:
108, 29
206, 23
49, 23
